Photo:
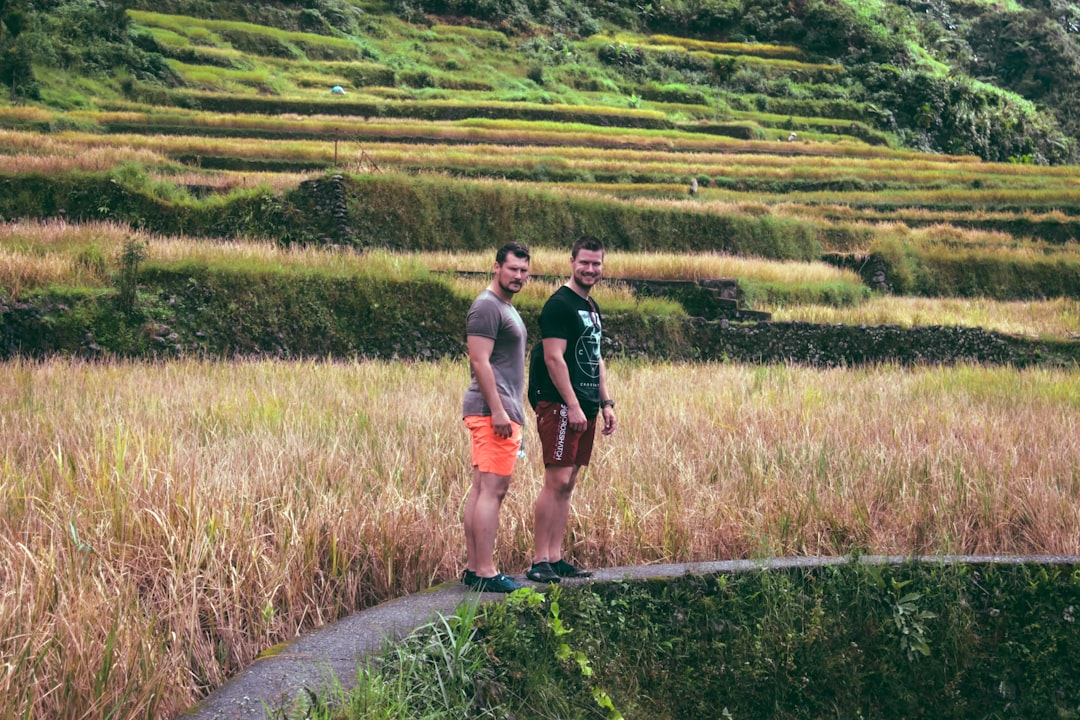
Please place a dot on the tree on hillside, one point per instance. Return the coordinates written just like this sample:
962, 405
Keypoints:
1035, 53
80, 37
16, 58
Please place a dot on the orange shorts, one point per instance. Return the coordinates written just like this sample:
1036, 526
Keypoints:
491, 453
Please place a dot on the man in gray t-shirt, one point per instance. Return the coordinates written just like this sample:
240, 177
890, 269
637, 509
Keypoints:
495, 319
493, 412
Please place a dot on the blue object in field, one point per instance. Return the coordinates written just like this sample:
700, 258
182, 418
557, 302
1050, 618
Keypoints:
337, 90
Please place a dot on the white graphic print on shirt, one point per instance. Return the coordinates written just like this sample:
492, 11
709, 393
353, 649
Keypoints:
587, 351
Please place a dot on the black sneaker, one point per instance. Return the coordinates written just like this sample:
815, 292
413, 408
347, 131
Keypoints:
468, 577
500, 583
565, 570
542, 572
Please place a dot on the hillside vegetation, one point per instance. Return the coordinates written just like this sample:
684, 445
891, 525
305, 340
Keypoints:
996, 80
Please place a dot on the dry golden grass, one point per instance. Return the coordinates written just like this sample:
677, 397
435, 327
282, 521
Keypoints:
36, 254
1059, 318
1060, 194
600, 160
162, 524
32, 152
950, 237
26, 113
912, 215
636, 161
39, 254
730, 48
660, 266
54, 240
223, 181
611, 296
153, 149
495, 148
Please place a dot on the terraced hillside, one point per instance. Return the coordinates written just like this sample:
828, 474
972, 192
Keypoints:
447, 127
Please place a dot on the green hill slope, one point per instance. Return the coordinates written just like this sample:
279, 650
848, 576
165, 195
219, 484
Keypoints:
995, 81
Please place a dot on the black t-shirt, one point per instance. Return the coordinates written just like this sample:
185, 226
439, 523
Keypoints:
569, 316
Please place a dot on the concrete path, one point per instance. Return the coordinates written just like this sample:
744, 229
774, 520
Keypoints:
331, 654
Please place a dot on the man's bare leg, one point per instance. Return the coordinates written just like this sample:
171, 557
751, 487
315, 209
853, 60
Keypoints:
552, 511
481, 520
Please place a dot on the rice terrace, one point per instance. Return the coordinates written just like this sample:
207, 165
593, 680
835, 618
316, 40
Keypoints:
841, 297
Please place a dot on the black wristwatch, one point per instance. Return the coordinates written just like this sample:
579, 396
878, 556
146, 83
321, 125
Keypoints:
607, 403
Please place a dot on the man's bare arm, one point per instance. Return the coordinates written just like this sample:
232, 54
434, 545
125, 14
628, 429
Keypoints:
610, 421
480, 349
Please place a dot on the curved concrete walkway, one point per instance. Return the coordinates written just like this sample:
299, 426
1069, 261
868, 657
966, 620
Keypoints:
330, 655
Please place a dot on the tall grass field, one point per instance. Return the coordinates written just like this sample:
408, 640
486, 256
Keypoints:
162, 524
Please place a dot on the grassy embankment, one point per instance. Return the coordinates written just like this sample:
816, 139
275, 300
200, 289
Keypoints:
37, 256
846, 639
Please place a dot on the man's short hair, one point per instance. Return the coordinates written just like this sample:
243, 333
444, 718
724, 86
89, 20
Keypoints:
512, 248
586, 242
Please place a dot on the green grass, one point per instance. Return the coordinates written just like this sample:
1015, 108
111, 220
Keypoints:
205, 31
769, 295
448, 57
723, 48
224, 79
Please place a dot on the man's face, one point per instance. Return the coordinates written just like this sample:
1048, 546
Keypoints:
588, 267
512, 273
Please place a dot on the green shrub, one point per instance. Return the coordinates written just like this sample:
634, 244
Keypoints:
127, 275
621, 55
368, 74
958, 115
673, 93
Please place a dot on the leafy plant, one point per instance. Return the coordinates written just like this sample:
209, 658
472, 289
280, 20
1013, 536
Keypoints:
910, 621
127, 275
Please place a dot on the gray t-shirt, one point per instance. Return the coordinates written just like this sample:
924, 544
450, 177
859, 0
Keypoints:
492, 318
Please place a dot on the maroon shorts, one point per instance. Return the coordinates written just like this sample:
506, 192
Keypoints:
562, 446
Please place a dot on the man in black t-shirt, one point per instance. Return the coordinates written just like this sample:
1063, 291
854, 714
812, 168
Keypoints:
568, 390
